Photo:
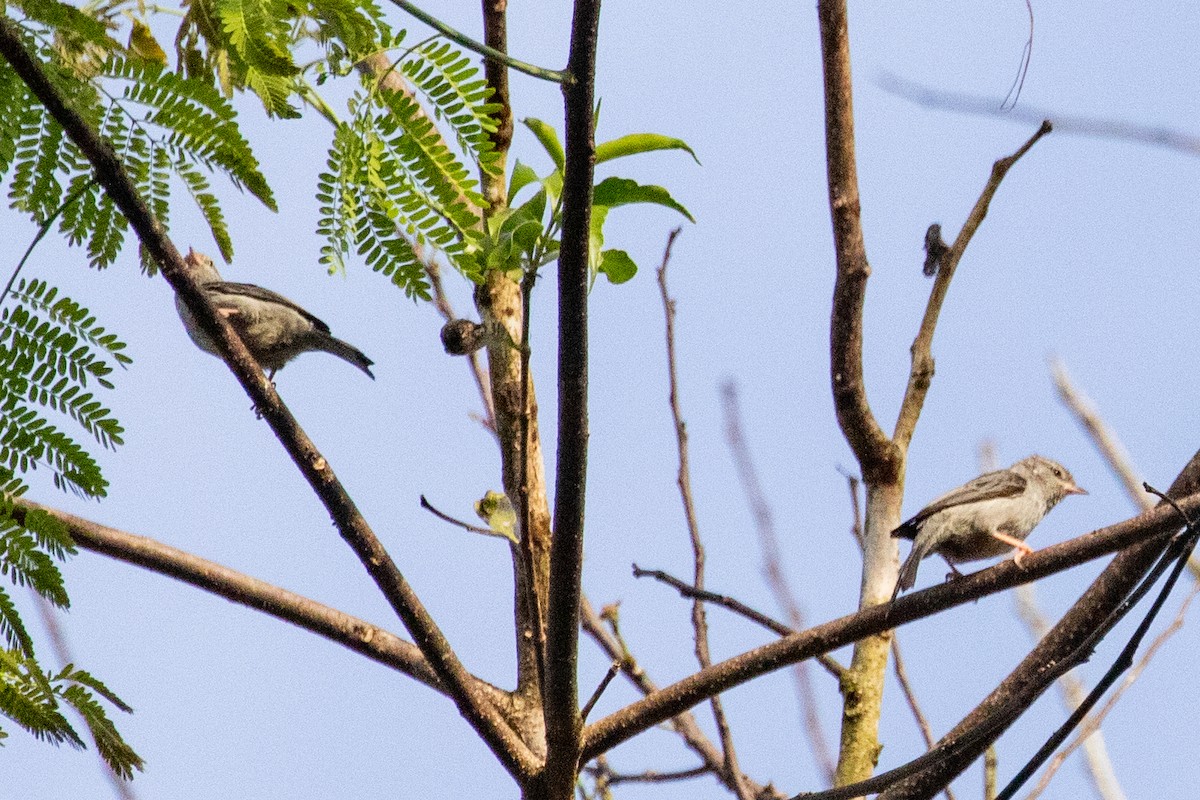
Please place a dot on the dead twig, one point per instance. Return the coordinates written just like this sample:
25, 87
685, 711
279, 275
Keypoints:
684, 480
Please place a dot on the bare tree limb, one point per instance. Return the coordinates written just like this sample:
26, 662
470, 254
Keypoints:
922, 347
338, 627
563, 725
879, 457
1143, 531
684, 723
684, 480
482, 715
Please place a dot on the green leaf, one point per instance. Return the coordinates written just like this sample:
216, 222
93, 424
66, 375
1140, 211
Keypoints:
634, 143
617, 266
614, 192
249, 25
548, 138
522, 176
596, 238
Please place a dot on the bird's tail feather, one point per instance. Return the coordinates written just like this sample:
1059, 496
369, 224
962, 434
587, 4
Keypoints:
908, 570
347, 352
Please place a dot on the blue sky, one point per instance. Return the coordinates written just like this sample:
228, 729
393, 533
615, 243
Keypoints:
1087, 254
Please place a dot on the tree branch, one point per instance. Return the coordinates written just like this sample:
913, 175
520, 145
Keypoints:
563, 724
684, 723
684, 480
338, 627
484, 50
879, 458
482, 715
922, 347
1143, 531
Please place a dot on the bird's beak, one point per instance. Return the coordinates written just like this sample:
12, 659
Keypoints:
1073, 489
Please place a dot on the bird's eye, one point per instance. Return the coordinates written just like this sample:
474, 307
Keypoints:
1058, 473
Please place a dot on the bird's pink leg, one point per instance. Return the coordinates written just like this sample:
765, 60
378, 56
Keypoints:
1018, 545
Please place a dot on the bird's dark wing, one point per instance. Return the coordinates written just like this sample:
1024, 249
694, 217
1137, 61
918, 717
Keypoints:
253, 292
989, 486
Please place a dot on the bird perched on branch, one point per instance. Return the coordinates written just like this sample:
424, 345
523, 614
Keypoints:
274, 329
985, 517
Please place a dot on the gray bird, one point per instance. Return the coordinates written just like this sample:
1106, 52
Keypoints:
274, 329
985, 517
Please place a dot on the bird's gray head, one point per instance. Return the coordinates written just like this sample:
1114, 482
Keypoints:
201, 267
1053, 478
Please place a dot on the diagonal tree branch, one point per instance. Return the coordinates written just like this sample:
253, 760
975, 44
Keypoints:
922, 347
351, 632
482, 715
1143, 531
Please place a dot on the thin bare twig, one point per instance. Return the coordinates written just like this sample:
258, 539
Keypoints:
1014, 92
921, 373
444, 517
856, 524
685, 589
1107, 442
764, 525
613, 669
1103, 437
684, 480
611, 778
733, 604
683, 723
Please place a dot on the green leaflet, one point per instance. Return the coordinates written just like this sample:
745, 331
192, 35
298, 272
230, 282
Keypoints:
614, 192
634, 143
